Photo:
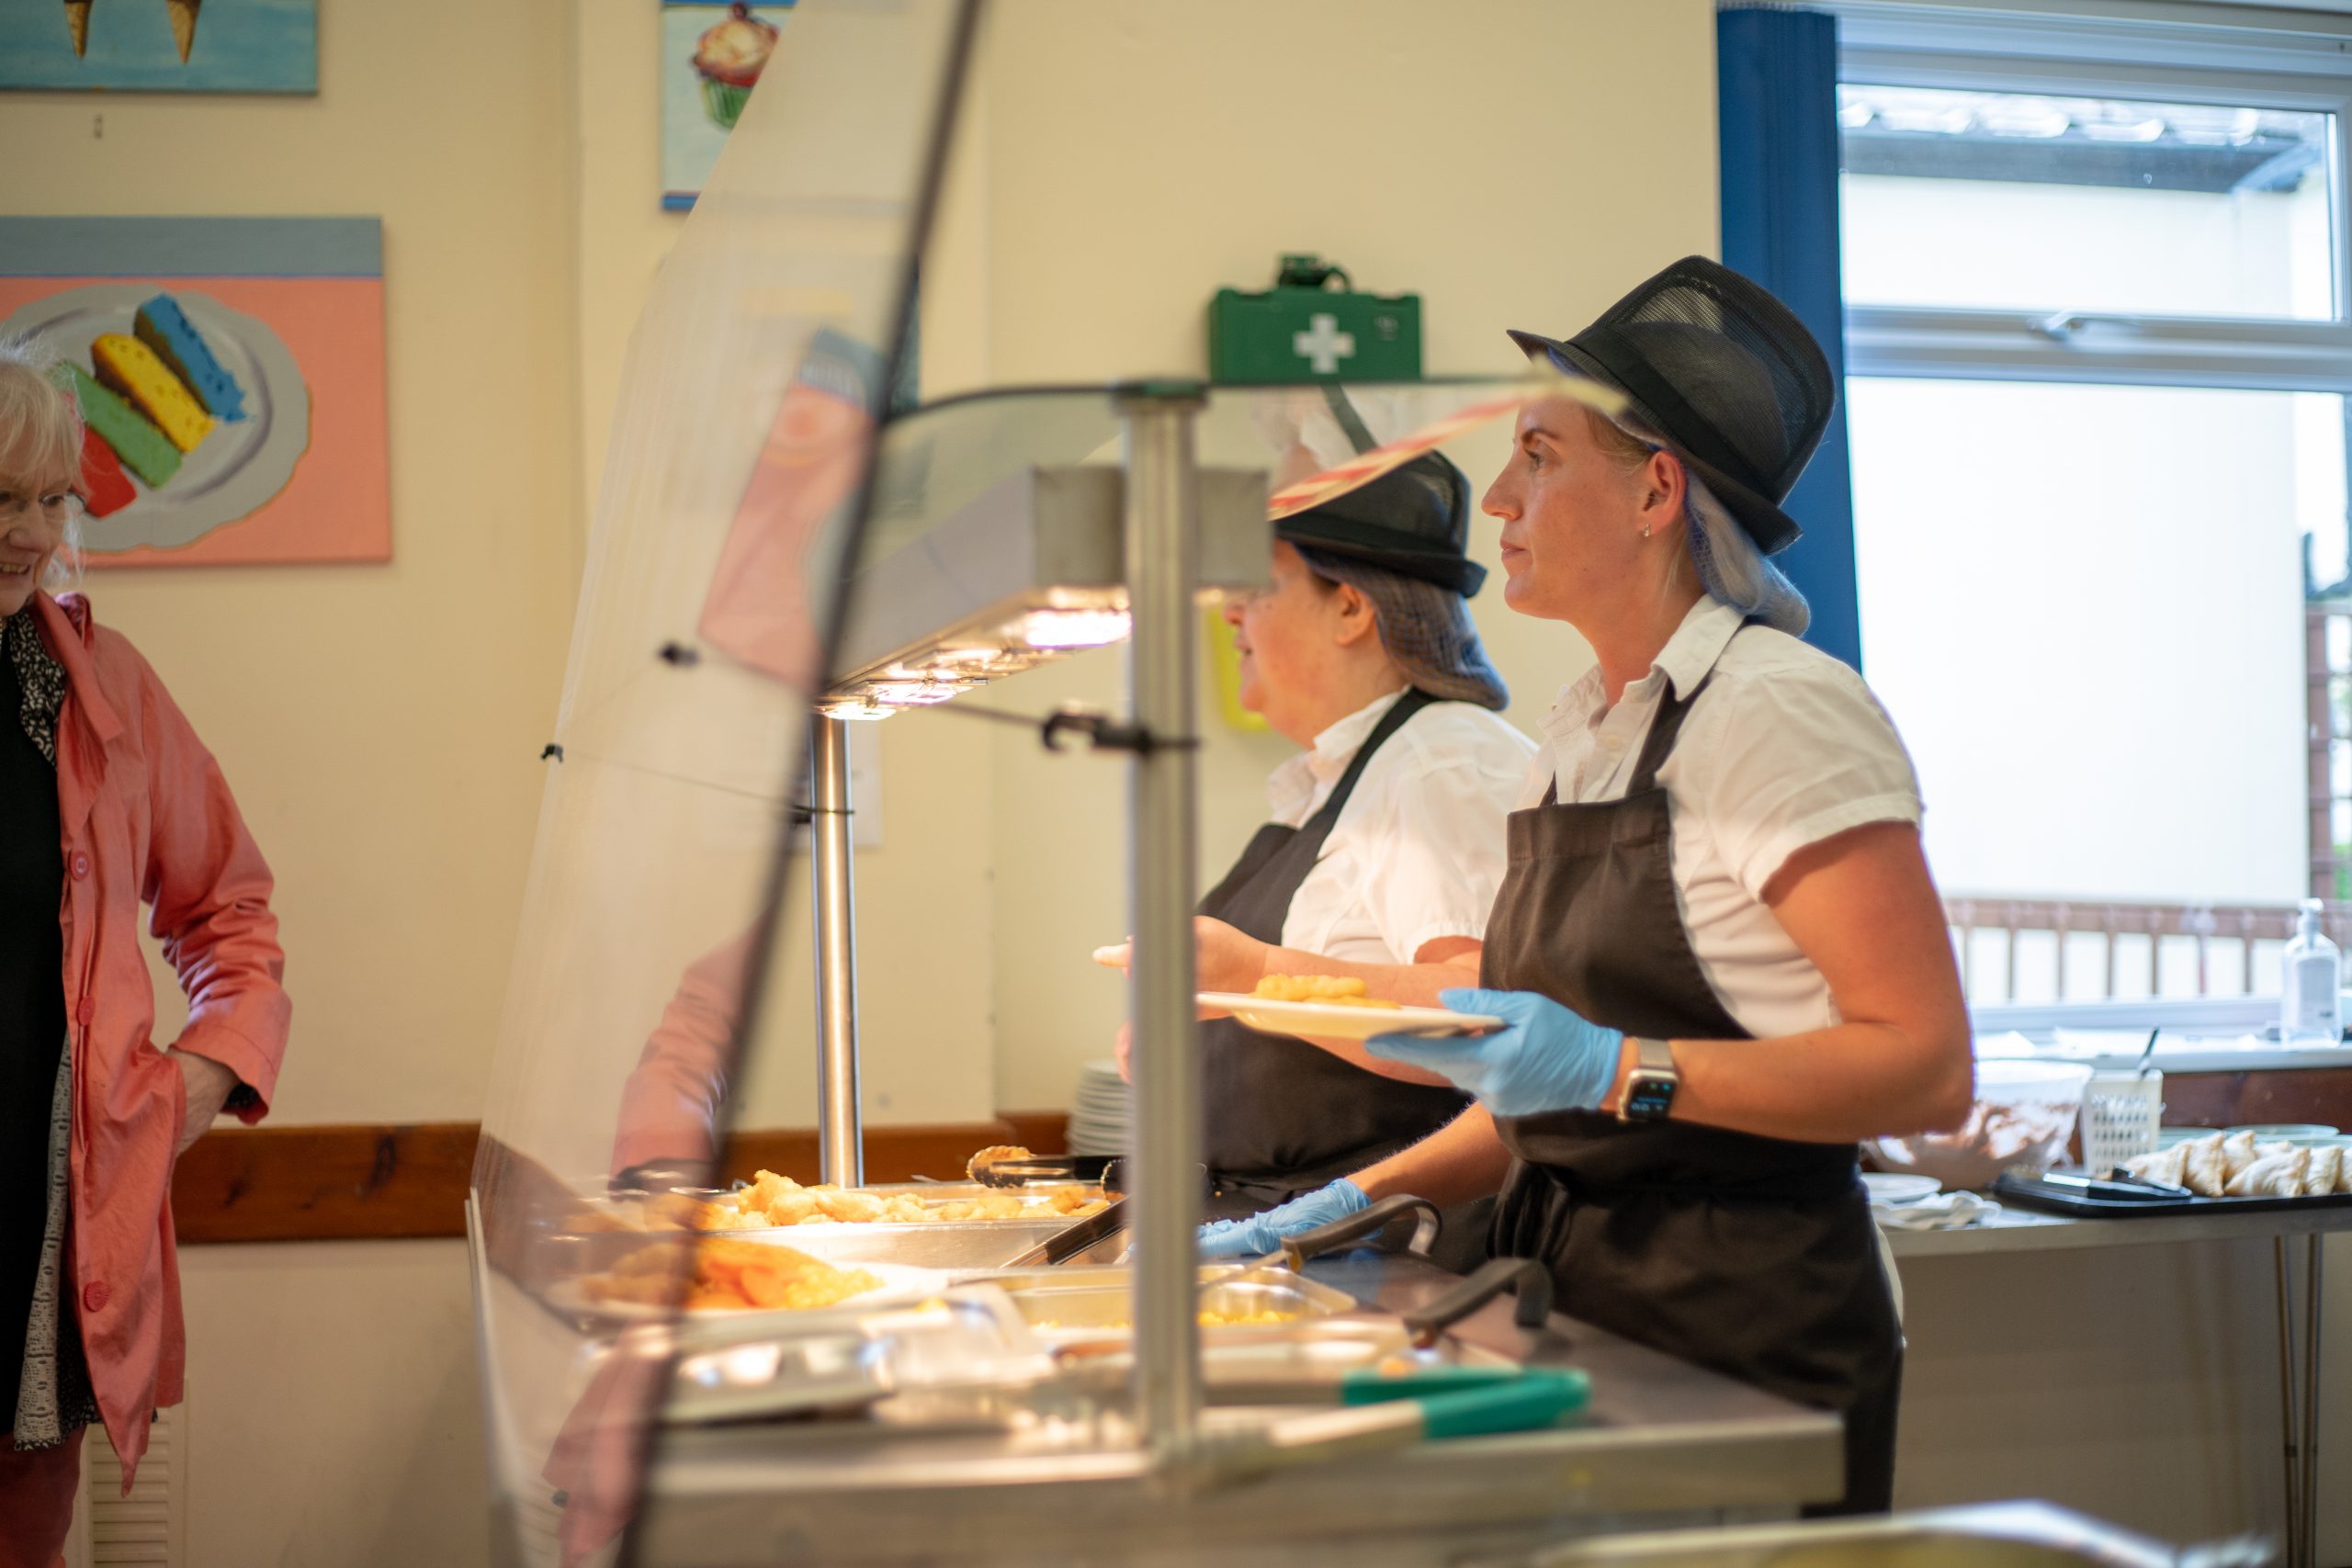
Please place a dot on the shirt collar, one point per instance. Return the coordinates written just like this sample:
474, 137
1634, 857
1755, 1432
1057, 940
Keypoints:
1336, 746
1706, 630
1698, 642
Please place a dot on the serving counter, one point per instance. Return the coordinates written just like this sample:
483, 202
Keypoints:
1661, 1443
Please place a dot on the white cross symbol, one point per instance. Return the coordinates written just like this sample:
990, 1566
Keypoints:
1323, 345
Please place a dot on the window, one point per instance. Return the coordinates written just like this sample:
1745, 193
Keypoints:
2099, 357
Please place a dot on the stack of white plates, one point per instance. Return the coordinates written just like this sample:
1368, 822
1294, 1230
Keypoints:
1103, 1116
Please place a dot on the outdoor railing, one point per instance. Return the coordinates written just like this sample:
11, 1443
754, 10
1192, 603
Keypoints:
2178, 949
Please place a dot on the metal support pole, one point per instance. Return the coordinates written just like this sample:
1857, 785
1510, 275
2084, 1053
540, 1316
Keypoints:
1161, 528
840, 1143
2291, 1469
2309, 1491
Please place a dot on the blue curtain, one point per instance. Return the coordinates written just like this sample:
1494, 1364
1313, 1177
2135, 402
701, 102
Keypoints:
1776, 81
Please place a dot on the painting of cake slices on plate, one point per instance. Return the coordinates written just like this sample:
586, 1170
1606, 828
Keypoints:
229, 372
160, 46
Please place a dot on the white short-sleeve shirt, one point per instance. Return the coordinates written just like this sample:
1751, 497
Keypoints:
1419, 850
1785, 747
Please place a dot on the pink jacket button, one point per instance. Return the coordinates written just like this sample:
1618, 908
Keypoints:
85, 1011
81, 865
94, 1295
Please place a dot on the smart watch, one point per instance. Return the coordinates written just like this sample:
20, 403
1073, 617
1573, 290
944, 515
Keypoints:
1649, 1088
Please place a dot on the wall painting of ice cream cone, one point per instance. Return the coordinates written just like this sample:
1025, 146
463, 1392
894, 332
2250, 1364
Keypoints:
230, 373
160, 46
712, 54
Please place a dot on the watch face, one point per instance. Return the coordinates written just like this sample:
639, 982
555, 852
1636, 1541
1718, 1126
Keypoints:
1648, 1099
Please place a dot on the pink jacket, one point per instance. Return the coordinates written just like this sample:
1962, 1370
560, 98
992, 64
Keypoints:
146, 817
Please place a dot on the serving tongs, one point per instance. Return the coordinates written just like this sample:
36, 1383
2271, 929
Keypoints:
1381, 1413
1074, 1238
1019, 1169
1377, 1222
1529, 1281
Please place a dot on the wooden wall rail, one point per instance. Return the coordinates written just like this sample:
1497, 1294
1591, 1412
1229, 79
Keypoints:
369, 1182
376, 1183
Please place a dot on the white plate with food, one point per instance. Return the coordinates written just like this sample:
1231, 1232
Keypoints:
1343, 1019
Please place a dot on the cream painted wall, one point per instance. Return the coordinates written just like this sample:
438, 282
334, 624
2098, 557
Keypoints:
380, 723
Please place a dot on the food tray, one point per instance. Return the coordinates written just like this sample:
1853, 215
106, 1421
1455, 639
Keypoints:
957, 1246
1088, 1303
2036, 1194
897, 1284
960, 1339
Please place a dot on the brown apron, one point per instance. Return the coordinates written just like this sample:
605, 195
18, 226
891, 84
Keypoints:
1285, 1116
1756, 1257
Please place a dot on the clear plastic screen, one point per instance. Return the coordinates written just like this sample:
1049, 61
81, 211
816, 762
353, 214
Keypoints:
755, 381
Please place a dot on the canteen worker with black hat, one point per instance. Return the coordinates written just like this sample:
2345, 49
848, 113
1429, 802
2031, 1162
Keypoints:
1386, 841
1718, 951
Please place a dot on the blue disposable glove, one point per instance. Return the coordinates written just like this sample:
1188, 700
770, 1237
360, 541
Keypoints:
1261, 1234
1544, 1058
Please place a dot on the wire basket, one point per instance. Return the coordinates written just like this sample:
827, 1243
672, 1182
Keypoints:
2120, 1116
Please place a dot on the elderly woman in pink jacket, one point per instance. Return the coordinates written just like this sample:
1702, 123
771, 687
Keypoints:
111, 801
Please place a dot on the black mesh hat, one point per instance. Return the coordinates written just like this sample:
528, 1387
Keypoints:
1413, 520
1399, 541
1724, 372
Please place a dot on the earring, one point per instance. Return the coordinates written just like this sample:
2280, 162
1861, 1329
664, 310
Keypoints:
1646, 530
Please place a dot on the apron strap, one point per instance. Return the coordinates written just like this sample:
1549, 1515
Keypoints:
1665, 729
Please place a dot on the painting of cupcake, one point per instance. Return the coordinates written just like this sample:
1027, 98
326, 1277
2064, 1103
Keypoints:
729, 59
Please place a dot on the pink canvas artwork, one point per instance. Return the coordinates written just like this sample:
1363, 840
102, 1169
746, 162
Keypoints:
230, 372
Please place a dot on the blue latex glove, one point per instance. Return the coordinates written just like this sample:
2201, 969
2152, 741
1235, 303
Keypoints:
1544, 1058
1261, 1234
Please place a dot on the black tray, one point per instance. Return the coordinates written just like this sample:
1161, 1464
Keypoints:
2035, 1193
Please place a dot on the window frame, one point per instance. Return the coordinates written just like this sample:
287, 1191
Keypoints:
2165, 53
1912, 46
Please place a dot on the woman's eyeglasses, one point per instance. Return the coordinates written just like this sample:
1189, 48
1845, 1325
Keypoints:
55, 506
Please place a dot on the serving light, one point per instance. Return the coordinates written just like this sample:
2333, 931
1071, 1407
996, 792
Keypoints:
1073, 628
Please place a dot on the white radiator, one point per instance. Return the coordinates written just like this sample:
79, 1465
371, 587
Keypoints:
146, 1529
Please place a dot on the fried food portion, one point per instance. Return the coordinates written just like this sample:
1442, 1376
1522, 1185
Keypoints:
1331, 990
728, 1276
772, 1200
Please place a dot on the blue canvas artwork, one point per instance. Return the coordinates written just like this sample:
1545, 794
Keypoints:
712, 54
160, 46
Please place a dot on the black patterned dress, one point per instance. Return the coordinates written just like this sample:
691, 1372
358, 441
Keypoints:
44, 1383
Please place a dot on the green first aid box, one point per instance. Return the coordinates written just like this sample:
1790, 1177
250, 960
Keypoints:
1302, 329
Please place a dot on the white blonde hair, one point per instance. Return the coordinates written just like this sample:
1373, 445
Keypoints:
1731, 569
40, 427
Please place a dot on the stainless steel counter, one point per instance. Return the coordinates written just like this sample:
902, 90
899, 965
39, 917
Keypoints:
2017, 1229
1662, 1443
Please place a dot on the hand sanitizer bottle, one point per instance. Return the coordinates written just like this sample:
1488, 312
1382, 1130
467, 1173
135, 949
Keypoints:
2309, 972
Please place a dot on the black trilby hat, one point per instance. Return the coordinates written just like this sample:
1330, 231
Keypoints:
1724, 372
1413, 520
